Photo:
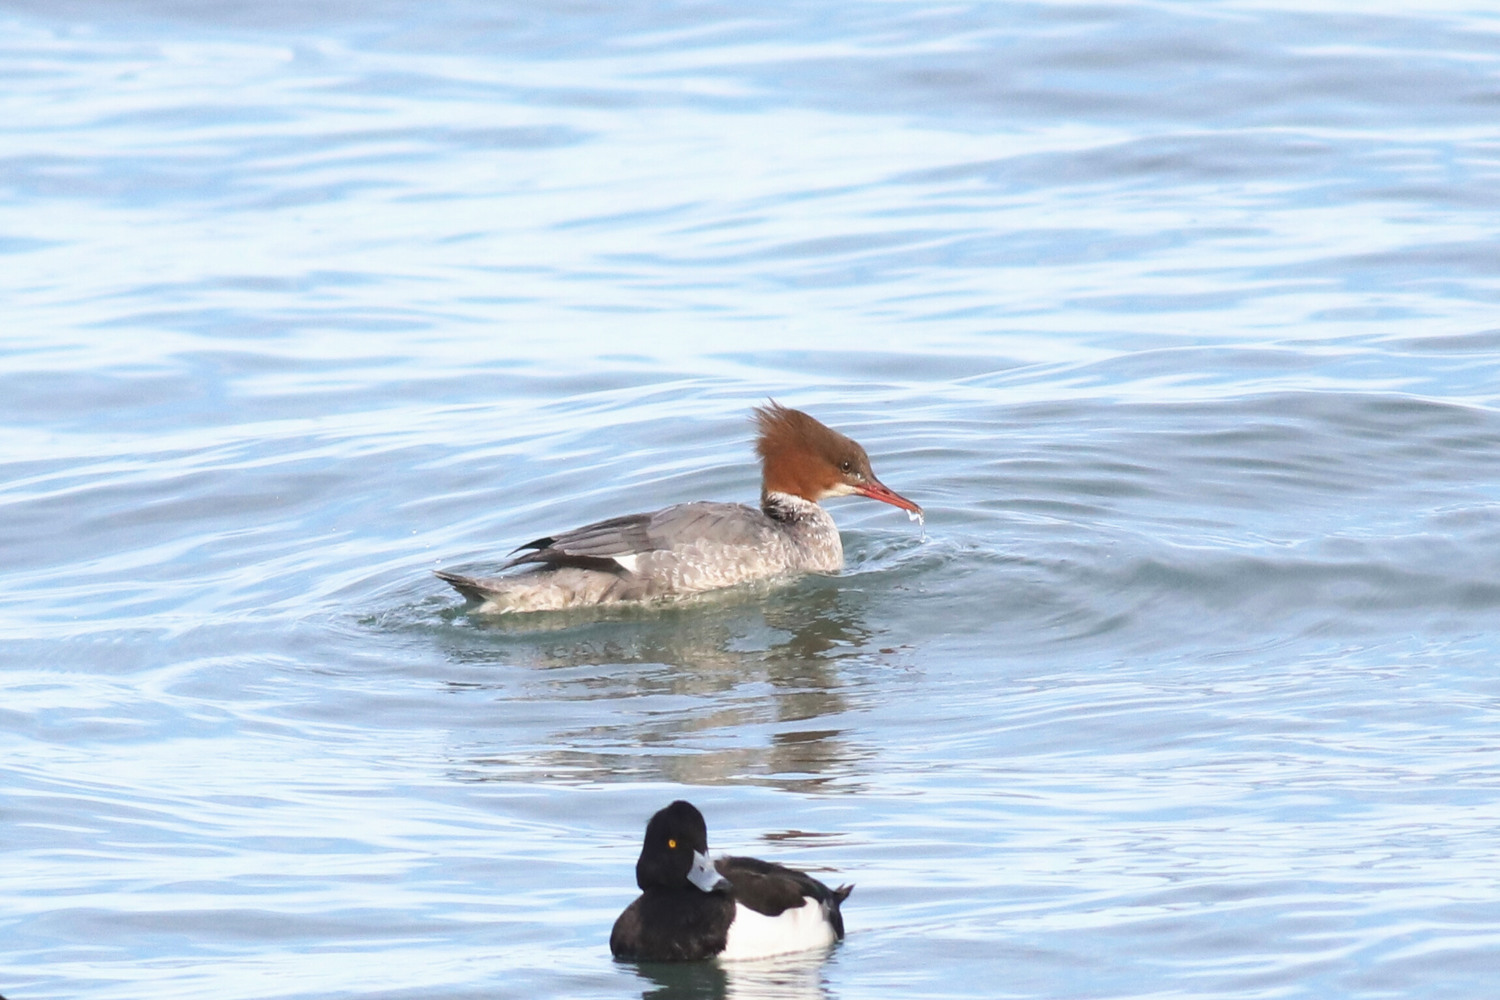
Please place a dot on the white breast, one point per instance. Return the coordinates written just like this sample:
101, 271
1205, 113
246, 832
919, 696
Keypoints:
755, 935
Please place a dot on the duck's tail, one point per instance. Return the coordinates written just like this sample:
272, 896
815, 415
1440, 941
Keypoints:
471, 587
835, 899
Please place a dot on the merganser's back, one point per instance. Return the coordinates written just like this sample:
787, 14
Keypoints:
689, 548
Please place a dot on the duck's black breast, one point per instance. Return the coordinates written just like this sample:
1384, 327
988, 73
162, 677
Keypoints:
772, 889
668, 925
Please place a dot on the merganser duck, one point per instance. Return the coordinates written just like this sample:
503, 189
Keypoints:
689, 548
691, 908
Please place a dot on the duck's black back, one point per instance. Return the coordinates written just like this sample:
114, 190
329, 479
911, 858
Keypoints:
769, 888
673, 925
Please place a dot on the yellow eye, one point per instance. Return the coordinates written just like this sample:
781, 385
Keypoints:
672, 845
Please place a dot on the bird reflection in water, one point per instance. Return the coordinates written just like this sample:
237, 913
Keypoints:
787, 977
723, 690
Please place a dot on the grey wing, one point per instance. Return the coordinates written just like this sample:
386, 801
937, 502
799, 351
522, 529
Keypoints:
593, 546
611, 545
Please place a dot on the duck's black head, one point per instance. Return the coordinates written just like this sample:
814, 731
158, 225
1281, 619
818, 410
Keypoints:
674, 854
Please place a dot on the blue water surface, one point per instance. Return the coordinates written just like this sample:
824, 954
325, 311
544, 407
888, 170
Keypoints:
1179, 318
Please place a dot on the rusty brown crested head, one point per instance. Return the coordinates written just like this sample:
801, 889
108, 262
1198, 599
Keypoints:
804, 458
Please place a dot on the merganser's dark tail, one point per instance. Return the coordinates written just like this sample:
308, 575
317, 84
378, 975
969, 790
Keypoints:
471, 588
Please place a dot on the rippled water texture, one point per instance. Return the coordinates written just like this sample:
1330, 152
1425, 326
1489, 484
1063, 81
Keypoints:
1178, 318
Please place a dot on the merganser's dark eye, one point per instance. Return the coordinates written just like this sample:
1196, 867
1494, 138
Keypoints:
846, 466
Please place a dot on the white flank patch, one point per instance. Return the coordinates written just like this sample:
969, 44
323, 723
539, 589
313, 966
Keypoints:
755, 935
627, 562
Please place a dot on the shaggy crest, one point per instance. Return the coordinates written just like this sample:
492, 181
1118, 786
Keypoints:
803, 457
